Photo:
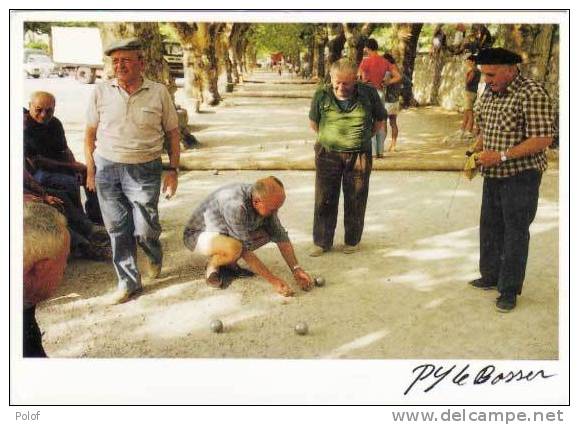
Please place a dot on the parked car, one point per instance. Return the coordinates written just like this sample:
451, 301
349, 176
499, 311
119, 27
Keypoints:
38, 65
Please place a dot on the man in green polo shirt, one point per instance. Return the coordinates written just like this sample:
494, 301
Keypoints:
345, 115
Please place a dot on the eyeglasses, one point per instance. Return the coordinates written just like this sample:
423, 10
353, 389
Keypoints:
123, 61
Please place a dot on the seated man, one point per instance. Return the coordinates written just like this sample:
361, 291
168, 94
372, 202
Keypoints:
53, 163
87, 240
234, 221
46, 247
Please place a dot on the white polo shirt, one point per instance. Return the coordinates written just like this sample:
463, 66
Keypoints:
131, 128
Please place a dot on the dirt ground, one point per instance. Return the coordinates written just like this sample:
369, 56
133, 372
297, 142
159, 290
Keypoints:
403, 296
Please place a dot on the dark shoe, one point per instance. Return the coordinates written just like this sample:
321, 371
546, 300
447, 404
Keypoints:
482, 284
235, 270
99, 235
506, 302
214, 279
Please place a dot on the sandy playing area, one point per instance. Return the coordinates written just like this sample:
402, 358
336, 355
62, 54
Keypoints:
404, 295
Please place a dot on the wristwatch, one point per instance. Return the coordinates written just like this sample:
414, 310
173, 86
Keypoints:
503, 156
296, 267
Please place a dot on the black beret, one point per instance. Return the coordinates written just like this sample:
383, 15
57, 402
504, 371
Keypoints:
125, 44
497, 56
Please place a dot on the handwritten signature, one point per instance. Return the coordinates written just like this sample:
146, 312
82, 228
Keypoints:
432, 375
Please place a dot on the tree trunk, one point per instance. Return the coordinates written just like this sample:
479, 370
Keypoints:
406, 36
210, 58
193, 77
437, 63
534, 43
318, 65
336, 41
356, 36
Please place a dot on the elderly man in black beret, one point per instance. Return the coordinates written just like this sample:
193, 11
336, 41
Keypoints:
127, 121
515, 118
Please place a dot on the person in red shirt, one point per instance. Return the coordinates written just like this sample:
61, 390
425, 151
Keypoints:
371, 71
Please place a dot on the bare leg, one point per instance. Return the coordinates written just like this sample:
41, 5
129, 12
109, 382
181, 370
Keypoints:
394, 125
220, 249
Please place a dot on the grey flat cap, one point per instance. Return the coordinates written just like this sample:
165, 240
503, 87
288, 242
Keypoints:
125, 44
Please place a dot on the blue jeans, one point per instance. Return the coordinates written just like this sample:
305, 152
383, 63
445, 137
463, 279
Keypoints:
378, 139
66, 182
378, 142
128, 195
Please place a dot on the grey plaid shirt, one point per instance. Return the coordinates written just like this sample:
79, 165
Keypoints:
229, 211
507, 119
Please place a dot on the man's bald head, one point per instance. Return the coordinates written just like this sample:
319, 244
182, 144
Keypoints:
41, 106
268, 195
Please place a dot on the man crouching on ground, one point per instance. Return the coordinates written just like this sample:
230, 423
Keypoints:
234, 221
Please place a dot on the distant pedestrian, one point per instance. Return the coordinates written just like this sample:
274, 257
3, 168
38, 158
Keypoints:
472, 80
372, 71
392, 89
438, 41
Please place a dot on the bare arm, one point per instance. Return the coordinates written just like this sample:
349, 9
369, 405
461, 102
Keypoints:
302, 278
314, 126
89, 147
259, 268
526, 148
469, 76
396, 76
170, 181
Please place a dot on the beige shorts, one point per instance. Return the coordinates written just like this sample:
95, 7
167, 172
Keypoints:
469, 98
392, 108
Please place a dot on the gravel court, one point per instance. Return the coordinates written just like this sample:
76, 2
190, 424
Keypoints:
403, 296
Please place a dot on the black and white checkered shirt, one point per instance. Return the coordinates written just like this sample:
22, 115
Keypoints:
229, 211
506, 119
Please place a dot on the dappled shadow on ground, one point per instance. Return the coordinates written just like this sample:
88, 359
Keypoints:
404, 295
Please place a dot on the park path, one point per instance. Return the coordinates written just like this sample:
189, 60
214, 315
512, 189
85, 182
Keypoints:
263, 124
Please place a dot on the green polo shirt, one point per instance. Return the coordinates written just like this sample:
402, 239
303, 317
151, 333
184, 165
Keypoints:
346, 129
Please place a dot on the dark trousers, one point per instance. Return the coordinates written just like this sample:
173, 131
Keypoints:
508, 208
351, 170
31, 336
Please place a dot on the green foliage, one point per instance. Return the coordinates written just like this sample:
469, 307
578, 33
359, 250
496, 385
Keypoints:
168, 32
37, 45
383, 35
288, 38
44, 27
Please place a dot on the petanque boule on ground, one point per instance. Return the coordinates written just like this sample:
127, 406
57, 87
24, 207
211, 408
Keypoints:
320, 281
301, 328
216, 326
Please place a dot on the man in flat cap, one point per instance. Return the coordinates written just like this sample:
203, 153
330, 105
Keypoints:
127, 120
515, 118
